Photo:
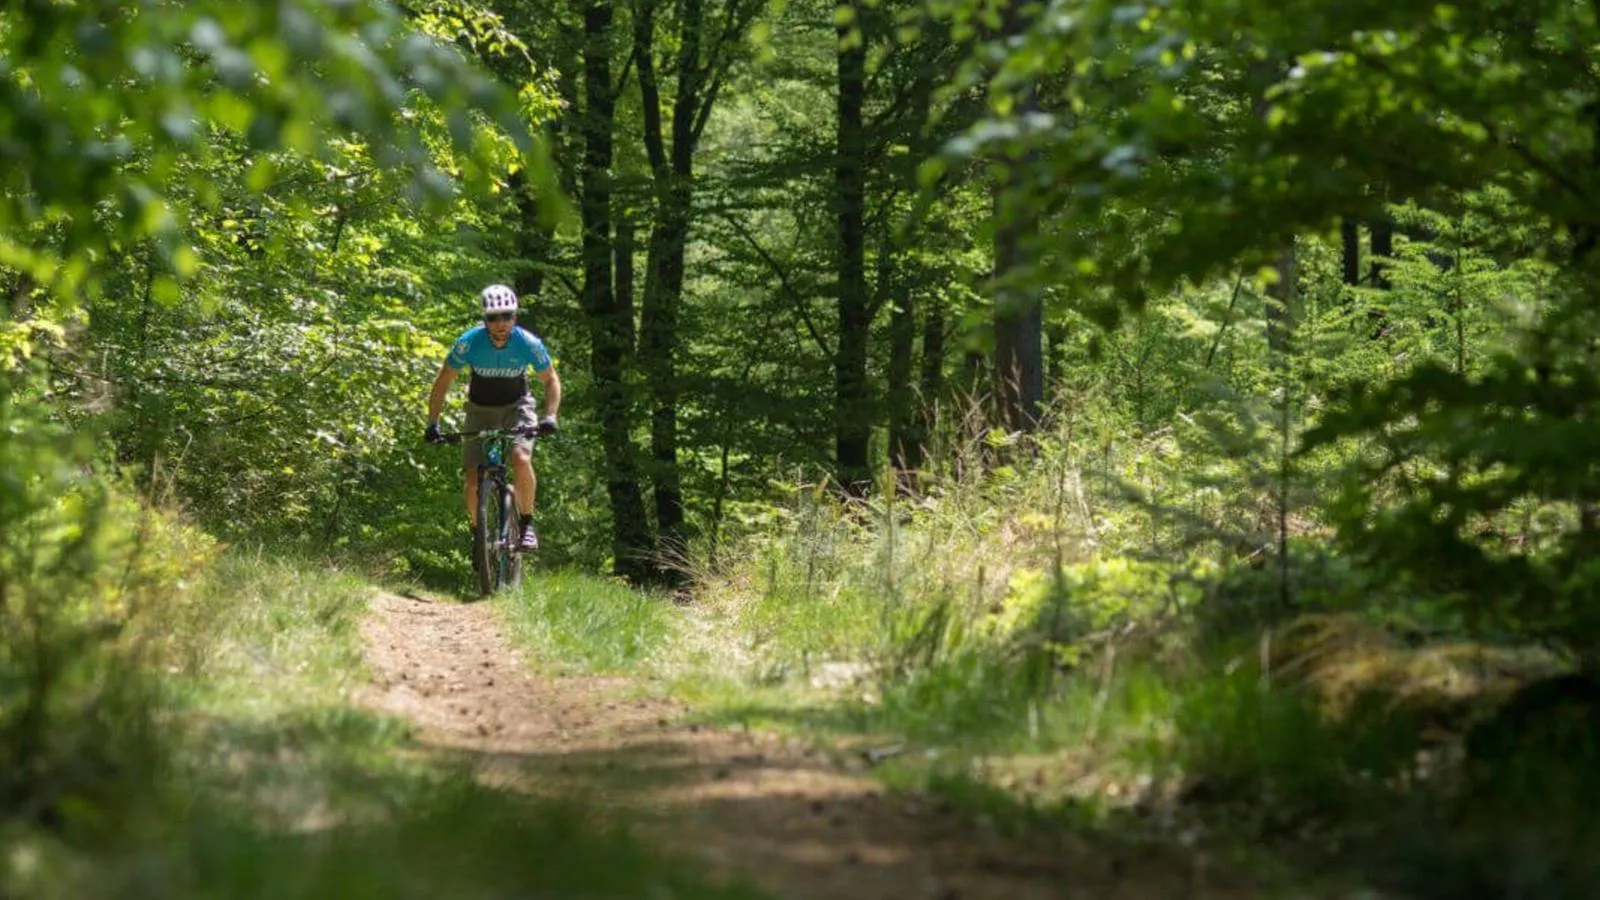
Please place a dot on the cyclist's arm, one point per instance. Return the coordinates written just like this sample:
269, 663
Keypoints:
552, 391
441, 388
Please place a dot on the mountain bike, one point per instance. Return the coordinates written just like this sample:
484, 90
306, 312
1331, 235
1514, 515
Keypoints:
498, 530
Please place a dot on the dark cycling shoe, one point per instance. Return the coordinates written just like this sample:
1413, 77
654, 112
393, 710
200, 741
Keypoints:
530, 540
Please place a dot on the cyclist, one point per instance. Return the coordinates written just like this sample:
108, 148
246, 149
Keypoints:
499, 353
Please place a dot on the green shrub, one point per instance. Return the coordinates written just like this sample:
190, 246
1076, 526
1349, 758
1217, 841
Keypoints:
91, 582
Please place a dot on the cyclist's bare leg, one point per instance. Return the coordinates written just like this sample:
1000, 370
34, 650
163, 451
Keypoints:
522, 467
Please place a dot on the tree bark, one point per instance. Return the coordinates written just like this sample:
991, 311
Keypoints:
698, 72
852, 400
1283, 305
1018, 320
932, 375
622, 265
1350, 239
610, 325
1018, 312
663, 281
1382, 248
905, 435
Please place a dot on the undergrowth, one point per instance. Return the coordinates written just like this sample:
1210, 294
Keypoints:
1034, 633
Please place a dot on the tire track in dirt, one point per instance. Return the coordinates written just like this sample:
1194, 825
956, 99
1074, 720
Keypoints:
744, 805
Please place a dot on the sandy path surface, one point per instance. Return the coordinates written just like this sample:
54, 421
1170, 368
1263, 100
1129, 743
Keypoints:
745, 805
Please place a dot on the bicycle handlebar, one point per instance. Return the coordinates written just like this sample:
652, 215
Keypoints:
455, 437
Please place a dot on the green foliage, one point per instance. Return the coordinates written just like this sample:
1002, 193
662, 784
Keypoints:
88, 577
1462, 460
588, 624
120, 110
1456, 383
1248, 741
1066, 612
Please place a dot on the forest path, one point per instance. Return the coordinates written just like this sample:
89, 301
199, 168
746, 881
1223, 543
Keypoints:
747, 806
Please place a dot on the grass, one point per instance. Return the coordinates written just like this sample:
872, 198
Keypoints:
587, 624
274, 786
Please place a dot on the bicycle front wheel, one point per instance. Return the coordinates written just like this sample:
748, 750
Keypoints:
498, 532
510, 536
488, 547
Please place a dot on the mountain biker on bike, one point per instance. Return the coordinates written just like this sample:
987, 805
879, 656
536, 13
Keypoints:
499, 353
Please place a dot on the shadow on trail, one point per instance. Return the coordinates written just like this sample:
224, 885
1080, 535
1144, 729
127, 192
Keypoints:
805, 822
797, 825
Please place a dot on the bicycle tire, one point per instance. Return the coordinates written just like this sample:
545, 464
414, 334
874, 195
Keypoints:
511, 535
483, 534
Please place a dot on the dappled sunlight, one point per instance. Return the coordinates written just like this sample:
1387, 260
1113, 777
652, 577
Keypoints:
801, 818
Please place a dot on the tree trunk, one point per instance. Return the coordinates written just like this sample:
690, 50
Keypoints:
1350, 238
1382, 248
1283, 305
1018, 323
933, 354
905, 438
663, 293
852, 403
622, 265
1018, 312
610, 327
672, 169
534, 241
932, 378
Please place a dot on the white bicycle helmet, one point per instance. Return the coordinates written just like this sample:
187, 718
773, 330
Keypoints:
497, 298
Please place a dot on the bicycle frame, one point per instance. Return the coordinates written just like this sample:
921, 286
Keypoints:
496, 536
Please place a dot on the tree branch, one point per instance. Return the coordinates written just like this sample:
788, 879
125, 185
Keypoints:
783, 280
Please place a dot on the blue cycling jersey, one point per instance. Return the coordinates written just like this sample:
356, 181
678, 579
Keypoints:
499, 374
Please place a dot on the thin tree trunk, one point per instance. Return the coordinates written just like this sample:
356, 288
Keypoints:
905, 439
1382, 249
1018, 323
672, 169
1018, 312
933, 353
1350, 239
852, 402
534, 241
610, 327
149, 445
932, 377
1283, 302
622, 265
1283, 313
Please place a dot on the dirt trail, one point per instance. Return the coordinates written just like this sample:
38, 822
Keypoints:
746, 805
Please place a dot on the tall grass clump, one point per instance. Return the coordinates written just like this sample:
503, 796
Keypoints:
587, 623
267, 631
